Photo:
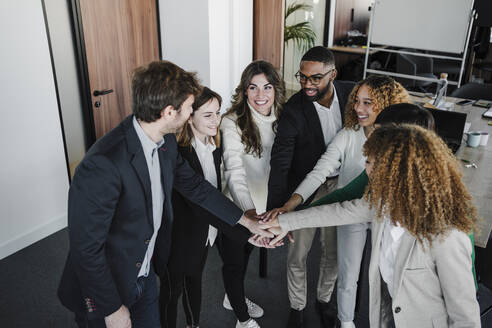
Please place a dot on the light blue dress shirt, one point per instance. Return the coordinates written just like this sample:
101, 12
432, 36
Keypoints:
150, 149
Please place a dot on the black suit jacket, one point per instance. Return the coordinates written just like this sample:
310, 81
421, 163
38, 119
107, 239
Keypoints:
110, 219
298, 144
191, 223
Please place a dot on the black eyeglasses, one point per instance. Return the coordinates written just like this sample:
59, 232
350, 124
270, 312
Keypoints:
314, 79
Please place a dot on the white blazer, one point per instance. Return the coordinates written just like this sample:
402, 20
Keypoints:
433, 285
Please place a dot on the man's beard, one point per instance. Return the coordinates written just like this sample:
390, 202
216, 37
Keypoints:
320, 94
178, 126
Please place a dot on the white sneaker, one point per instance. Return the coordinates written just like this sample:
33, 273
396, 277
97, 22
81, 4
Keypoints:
251, 323
254, 310
347, 324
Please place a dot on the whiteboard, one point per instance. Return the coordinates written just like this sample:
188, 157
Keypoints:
437, 25
34, 177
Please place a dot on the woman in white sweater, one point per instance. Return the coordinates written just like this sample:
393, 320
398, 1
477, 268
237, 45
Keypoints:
421, 269
248, 131
368, 98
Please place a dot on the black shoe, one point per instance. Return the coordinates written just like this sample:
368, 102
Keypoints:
296, 319
328, 314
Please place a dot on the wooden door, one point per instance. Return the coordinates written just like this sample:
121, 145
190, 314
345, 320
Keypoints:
268, 31
118, 36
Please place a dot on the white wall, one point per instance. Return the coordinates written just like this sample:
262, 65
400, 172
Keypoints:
58, 16
211, 37
241, 15
331, 22
185, 35
33, 179
231, 44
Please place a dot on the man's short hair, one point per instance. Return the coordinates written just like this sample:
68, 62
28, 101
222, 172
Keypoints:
319, 54
158, 85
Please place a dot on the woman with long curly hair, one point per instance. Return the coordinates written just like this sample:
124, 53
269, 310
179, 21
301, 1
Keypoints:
248, 131
344, 155
420, 273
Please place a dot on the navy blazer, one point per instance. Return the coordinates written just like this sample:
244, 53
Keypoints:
298, 144
110, 219
191, 224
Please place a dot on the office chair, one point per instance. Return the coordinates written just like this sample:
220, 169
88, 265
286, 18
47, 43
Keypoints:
417, 66
473, 91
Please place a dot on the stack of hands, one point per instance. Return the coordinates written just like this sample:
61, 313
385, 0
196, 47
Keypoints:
265, 227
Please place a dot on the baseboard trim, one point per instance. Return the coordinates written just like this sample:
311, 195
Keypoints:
30, 237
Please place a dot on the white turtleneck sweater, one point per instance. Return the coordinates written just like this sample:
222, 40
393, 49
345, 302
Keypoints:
247, 175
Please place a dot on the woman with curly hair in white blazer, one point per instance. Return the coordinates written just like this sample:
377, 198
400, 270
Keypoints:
420, 273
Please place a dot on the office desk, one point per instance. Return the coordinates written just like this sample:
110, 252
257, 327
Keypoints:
479, 180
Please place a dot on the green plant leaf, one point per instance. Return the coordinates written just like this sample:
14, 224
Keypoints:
301, 34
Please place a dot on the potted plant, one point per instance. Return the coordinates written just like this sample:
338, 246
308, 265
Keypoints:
302, 33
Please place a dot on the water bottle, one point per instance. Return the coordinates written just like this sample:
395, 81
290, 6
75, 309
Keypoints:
444, 83
441, 89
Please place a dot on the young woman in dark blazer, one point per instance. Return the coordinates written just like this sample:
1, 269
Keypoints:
192, 233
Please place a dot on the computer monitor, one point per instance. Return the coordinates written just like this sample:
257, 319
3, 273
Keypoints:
450, 126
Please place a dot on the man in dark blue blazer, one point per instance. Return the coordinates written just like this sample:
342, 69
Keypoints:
120, 201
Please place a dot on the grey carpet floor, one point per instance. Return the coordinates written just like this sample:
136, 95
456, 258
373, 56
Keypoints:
29, 278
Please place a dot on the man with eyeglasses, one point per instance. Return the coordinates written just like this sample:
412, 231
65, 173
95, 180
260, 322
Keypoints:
309, 121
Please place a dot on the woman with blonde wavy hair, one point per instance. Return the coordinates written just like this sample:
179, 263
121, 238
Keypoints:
343, 157
420, 273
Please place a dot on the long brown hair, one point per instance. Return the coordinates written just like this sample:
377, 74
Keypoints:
186, 134
250, 134
384, 91
417, 182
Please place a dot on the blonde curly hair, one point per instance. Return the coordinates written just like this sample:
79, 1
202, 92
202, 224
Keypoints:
383, 90
416, 181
